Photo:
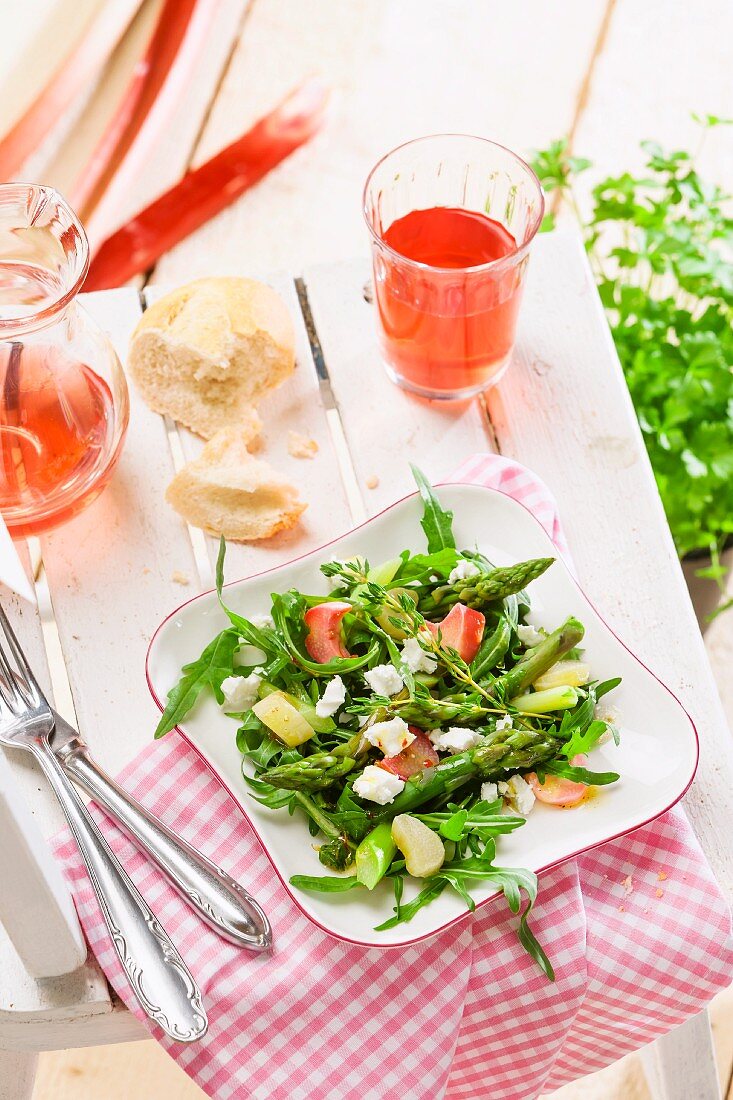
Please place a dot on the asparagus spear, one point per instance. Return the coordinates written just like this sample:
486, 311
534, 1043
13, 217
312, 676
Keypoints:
538, 660
312, 773
484, 588
319, 771
499, 753
316, 772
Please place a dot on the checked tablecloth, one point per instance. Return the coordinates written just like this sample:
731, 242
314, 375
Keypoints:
637, 930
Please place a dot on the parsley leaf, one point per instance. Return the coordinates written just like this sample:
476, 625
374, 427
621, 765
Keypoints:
660, 244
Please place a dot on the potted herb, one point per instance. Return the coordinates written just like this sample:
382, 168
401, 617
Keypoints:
661, 248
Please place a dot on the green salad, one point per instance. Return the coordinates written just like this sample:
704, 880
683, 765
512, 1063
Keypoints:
411, 717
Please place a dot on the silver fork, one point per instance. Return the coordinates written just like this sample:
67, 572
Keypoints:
218, 899
157, 974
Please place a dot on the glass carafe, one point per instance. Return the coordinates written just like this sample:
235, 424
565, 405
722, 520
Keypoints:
63, 397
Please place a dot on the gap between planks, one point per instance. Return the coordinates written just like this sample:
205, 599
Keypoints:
304, 402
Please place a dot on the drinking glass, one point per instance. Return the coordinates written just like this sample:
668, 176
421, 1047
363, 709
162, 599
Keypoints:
447, 330
63, 396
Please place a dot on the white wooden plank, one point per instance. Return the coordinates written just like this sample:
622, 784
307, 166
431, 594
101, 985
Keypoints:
385, 427
661, 61
563, 409
111, 573
398, 71
37, 914
71, 1026
26, 623
294, 406
685, 51
36, 909
681, 1065
52, 920
17, 1074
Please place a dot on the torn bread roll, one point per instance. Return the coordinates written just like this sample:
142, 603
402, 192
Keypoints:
227, 492
207, 352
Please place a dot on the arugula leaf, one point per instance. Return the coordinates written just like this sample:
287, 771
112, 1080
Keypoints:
208, 670
256, 743
405, 912
326, 884
336, 853
263, 639
483, 818
399, 885
511, 881
288, 609
437, 523
424, 565
607, 685
579, 775
267, 795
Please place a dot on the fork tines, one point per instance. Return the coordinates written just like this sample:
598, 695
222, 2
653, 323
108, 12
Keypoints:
18, 681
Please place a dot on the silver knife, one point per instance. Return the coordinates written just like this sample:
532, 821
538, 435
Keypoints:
216, 896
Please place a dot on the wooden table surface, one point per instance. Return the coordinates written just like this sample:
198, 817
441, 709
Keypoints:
606, 72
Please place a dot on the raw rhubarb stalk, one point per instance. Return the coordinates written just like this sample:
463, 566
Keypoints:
148, 78
206, 190
79, 69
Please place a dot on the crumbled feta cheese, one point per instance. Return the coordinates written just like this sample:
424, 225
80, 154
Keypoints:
240, 692
505, 723
335, 582
529, 635
345, 719
384, 680
378, 785
434, 578
463, 570
332, 698
454, 739
363, 719
391, 737
338, 581
415, 657
489, 792
518, 795
264, 622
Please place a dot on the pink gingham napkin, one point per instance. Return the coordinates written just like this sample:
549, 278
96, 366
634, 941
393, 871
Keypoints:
637, 930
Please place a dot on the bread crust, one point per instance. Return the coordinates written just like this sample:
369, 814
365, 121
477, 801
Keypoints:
226, 491
208, 351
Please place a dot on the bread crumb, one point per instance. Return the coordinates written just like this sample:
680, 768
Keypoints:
628, 885
372, 481
179, 578
661, 876
299, 446
659, 893
622, 908
147, 569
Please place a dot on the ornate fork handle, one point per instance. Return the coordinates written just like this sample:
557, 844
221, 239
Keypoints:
219, 899
156, 972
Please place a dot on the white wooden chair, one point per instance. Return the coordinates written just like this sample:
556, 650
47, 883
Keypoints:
115, 571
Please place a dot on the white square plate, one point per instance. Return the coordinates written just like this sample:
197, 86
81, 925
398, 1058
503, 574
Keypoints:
656, 759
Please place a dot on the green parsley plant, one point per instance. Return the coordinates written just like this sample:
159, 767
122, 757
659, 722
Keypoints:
661, 248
